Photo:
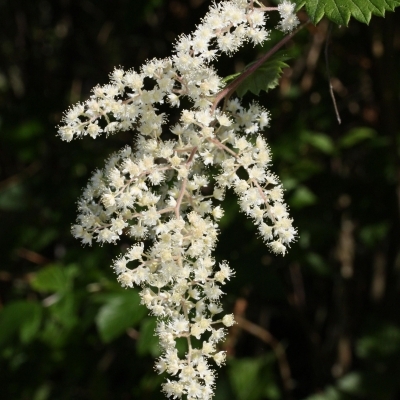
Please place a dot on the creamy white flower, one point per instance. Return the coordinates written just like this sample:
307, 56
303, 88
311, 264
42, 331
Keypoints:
166, 192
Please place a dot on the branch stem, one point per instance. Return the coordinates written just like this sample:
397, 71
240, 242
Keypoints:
229, 89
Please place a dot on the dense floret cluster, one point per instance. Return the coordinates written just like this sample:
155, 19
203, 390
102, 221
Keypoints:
167, 192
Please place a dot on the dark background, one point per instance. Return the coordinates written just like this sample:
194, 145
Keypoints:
321, 323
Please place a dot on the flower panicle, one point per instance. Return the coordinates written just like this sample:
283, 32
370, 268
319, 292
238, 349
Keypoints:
164, 195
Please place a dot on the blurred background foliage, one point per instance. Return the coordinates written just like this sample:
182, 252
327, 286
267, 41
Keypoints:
322, 323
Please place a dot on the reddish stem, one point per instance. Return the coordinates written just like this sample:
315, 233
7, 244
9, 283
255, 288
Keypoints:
229, 89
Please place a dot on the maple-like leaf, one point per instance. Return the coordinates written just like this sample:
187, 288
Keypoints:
340, 11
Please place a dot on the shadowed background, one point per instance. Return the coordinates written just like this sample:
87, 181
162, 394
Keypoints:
320, 323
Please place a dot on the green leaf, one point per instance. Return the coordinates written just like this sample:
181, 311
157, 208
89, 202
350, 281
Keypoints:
320, 141
231, 77
54, 278
244, 376
302, 197
340, 11
64, 311
264, 78
317, 264
13, 197
121, 311
21, 317
31, 324
28, 130
148, 342
54, 334
43, 392
253, 378
356, 135
382, 342
374, 233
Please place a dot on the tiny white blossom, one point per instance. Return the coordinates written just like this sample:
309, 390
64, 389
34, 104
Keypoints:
228, 320
289, 19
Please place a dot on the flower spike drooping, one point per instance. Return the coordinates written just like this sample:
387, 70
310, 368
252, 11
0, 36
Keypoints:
153, 191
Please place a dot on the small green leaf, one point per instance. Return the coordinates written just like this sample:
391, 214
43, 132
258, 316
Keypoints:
264, 78
231, 77
251, 378
356, 135
318, 265
28, 130
121, 311
374, 233
43, 392
299, 4
14, 197
53, 278
320, 141
244, 377
382, 342
302, 197
340, 11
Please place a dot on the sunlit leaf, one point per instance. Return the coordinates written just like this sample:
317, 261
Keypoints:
340, 11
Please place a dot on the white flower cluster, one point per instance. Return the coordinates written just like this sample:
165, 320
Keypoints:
165, 193
289, 19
